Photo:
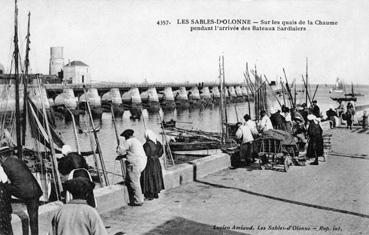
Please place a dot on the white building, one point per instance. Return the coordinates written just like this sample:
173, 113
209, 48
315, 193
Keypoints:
56, 60
76, 72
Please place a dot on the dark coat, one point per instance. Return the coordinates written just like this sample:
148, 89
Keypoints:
315, 146
152, 178
23, 184
70, 162
278, 121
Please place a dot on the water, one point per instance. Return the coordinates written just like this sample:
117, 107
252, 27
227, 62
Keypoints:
207, 119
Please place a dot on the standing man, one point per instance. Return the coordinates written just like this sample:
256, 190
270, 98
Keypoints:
251, 124
315, 110
23, 185
265, 123
136, 163
244, 134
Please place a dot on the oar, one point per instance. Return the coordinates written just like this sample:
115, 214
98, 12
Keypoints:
166, 144
120, 157
235, 109
75, 131
102, 163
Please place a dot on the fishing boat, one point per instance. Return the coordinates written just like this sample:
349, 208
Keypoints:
171, 123
194, 144
338, 87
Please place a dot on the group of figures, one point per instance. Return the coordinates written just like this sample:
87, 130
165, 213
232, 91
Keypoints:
144, 181
301, 125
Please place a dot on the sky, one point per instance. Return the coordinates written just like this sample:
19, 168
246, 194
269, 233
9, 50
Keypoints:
122, 42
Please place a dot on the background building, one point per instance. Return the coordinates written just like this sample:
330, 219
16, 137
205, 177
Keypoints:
76, 72
56, 60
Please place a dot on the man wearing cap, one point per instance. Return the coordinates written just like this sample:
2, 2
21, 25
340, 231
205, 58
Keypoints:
77, 217
136, 163
23, 185
314, 109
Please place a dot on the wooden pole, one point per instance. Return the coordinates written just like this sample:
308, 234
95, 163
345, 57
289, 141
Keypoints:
121, 160
59, 189
316, 89
25, 82
307, 84
307, 92
96, 139
16, 76
166, 144
75, 131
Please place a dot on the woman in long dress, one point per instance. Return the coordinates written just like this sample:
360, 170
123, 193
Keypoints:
152, 178
5, 206
315, 145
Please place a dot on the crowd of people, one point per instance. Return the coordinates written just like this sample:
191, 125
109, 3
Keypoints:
302, 123
78, 215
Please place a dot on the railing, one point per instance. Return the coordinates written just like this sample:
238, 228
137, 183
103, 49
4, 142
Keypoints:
132, 85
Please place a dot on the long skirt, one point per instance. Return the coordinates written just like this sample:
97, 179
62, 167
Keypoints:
315, 147
5, 211
152, 178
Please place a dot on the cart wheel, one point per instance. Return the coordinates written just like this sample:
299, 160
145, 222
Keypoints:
286, 164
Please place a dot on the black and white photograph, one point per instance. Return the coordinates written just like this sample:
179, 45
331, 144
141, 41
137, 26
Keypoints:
161, 117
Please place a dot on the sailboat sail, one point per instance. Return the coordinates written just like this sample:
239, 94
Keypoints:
339, 86
38, 129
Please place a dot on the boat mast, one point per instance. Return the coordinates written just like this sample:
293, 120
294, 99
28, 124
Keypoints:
16, 77
221, 100
25, 81
306, 93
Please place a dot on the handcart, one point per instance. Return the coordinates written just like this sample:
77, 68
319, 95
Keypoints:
271, 151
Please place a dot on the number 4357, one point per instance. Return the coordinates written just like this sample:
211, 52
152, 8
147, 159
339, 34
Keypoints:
163, 22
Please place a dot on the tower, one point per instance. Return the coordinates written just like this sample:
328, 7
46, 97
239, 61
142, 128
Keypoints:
56, 60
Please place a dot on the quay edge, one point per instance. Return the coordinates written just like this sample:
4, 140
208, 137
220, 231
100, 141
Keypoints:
116, 196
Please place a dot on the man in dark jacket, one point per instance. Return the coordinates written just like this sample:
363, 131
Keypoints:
278, 121
23, 185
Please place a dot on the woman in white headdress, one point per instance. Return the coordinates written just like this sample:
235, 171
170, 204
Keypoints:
152, 178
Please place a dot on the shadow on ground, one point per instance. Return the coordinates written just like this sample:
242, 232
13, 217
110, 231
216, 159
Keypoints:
179, 226
286, 200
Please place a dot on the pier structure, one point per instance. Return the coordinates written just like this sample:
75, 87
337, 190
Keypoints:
132, 100
145, 95
194, 97
232, 94
240, 96
206, 96
181, 98
150, 100
94, 101
167, 101
215, 93
112, 100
